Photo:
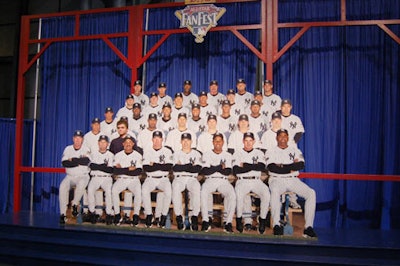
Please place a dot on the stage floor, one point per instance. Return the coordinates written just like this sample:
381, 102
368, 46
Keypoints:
326, 236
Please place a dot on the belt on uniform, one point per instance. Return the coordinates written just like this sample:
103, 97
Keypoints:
128, 177
248, 177
185, 176
160, 176
101, 175
217, 177
284, 176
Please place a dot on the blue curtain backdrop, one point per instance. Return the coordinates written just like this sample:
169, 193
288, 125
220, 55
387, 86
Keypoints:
343, 81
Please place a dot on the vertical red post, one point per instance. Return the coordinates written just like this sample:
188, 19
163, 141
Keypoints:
135, 41
23, 57
268, 7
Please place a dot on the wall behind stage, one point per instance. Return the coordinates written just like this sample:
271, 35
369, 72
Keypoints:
343, 82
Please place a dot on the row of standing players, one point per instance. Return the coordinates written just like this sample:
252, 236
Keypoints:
205, 146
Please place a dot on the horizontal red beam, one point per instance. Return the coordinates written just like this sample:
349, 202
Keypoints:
361, 177
338, 23
80, 37
218, 28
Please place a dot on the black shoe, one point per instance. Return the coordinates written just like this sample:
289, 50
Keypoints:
179, 222
239, 225
135, 220
63, 219
109, 219
75, 210
125, 219
163, 221
268, 219
278, 230
117, 219
247, 227
156, 221
86, 218
205, 226
94, 218
194, 226
261, 225
228, 228
148, 221
309, 232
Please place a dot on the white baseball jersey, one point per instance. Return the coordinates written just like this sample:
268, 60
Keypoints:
268, 140
267, 112
215, 100
293, 125
258, 124
255, 156
237, 109
152, 109
190, 99
273, 101
174, 139
210, 158
137, 124
106, 158
91, 140
165, 99
166, 126
205, 142
70, 152
227, 125
124, 111
198, 126
127, 160
108, 128
244, 100
207, 110
284, 156
236, 140
143, 99
175, 112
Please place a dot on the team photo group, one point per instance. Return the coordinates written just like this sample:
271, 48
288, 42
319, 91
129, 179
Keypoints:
239, 144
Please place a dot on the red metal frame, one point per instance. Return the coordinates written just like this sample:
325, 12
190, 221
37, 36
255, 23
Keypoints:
269, 54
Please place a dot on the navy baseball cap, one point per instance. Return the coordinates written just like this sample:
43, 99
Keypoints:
230, 91
138, 82
257, 93
130, 96
225, 102
152, 116
282, 130
203, 93
243, 117
78, 133
166, 104
276, 115
124, 118
218, 134
286, 101
137, 105
129, 137
178, 94
255, 102
240, 81
212, 117
103, 137
187, 82
182, 114
213, 82
153, 94
96, 120
267, 81
157, 133
108, 109
248, 135
195, 105
186, 136
162, 85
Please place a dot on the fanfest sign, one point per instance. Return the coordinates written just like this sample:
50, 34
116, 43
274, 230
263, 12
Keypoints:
199, 19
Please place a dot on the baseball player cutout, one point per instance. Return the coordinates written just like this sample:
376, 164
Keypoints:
284, 163
127, 109
196, 123
166, 123
243, 97
214, 97
157, 163
127, 168
291, 122
248, 164
137, 121
109, 125
75, 159
204, 141
154, 107
217, 166
174, 136
187, 165
271, 99
101, 168
189, 98
162, 94
138, 94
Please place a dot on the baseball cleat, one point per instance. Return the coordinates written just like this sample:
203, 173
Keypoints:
247, 227
63, 219
148, 221
179, 222
163, 221
205, 226
75, 210
228, 228
261, 226
239, 225
309, 232
194, 226
278, 230
135, 220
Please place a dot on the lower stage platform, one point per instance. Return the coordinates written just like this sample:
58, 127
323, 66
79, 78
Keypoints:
37, 238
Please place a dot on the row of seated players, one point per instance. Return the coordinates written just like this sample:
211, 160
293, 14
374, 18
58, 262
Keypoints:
157, 161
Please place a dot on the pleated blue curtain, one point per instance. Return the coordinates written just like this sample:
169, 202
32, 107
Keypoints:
344, 84
79, 80
222, 56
